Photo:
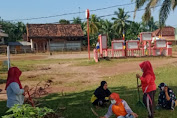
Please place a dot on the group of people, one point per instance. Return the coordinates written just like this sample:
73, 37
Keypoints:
121, 109
102, 95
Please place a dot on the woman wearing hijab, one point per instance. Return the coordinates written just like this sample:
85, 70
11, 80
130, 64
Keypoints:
119, 107
101, 95
148, 86
15, 92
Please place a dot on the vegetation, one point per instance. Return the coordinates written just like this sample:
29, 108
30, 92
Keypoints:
26, 111
14, 30
78, 103
166, 7
63, 21
113, 29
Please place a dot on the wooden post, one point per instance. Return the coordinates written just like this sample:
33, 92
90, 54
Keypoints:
8, 57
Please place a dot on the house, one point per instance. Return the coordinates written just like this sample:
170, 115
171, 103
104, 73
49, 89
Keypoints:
54, 37
2, 36
20, 47
167, 33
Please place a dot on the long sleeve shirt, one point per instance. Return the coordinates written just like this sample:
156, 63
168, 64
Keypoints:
14, 95
148, 83
127, 108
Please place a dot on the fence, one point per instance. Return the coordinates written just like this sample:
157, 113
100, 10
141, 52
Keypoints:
135, 49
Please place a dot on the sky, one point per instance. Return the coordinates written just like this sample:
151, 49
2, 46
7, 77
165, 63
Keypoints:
25, 9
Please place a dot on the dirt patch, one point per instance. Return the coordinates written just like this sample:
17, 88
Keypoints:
31, 76
69, 78
47, 68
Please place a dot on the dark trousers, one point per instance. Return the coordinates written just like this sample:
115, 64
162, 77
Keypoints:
99, 102
148, 100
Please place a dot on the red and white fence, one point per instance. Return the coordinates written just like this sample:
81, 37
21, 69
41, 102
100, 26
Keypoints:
134, 48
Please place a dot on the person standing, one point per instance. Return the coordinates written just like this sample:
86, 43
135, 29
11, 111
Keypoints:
148, 86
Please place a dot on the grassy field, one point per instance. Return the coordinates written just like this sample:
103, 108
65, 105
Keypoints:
175, 48
78, 103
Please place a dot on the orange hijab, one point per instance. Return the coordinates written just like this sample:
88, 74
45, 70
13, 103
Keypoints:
116, 97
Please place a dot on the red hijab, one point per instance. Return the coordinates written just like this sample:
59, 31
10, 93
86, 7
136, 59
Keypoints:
116, 97
147, 69
13, 76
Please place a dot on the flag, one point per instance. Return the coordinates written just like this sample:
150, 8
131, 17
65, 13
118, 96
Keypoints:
123, 35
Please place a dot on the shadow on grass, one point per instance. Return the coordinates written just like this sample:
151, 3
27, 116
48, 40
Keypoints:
2, 81
3, 108
78, 104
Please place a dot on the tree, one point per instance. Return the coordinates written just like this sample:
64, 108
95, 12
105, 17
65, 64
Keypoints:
94, 24
166, 6
120, 22
151, 25
106, 28
76, 20
63, 21
14, 30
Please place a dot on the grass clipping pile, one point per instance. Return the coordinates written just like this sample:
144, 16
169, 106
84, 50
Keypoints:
38, 91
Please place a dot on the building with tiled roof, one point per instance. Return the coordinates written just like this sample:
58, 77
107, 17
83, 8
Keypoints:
51, 37
167, 33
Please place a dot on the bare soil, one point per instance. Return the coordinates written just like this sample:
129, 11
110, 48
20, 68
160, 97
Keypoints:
68, 78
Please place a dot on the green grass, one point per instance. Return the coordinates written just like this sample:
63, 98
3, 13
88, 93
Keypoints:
115, 61
78, 103
175, 48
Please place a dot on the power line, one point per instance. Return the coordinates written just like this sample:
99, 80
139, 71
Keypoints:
44, 17
114, 14
113, 6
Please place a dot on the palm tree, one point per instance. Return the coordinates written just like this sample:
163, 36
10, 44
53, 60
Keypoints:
133, 30
166, 6
106, 28
151, 25
76, 20
94, 24
121, 21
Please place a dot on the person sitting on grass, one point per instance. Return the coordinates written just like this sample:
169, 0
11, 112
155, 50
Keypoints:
167, 98
101, 95
119, 107
15, 92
